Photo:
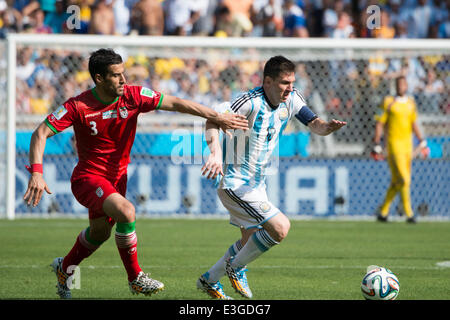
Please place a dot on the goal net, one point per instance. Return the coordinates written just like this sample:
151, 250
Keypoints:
314, 176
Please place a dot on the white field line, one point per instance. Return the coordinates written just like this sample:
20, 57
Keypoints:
439, 266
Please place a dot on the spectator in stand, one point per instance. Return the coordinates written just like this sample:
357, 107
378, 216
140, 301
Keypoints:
22, 97
25, 7
385, 30
240, 14
178, 17
41, 96
344, 28
411, 69
58, 18
401, 31
420, 20
303, 82
37, 22
122, 15
330, 16
431, 92
268, 18
444, 25
10, 20
223, 26
440, 11
294, 20
397, 15
57, 67
147, 18
203, 11
20, 5
25, 64
102, 19
444, 29
48, 5
85, 9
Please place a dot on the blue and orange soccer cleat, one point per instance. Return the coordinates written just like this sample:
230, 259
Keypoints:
238, 279
214, 290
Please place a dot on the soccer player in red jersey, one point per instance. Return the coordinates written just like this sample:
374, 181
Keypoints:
104, 121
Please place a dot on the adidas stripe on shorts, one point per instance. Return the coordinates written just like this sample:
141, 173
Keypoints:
248, 208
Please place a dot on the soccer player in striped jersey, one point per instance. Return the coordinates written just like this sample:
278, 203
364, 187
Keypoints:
241, 169
104, 121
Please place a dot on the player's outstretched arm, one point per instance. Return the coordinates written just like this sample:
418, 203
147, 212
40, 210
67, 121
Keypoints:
213, 165
324, 128
37, 184
224, 121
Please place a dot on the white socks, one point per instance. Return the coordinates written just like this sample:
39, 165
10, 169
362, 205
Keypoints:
218, 270
258, 243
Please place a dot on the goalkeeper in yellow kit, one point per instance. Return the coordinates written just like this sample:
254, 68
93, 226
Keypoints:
397, 120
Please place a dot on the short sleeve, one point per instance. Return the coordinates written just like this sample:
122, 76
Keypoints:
63, 117
381, 115
300, 109
242, 105
298, 101
146, 98
224, 107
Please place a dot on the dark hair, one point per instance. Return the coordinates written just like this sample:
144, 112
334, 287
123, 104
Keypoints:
278, 65
100, 60
399, 78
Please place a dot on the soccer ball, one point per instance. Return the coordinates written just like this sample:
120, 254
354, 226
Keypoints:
380, 284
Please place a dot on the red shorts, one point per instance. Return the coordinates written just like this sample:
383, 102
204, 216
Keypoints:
91, 191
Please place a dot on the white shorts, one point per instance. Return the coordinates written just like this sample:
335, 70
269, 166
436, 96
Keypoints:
249, 208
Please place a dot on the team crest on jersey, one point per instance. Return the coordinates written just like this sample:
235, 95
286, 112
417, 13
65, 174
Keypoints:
147, 92
264, 206
60, 112
123, 112
283, 113
99, 192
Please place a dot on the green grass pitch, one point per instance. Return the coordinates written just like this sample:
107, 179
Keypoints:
319, 260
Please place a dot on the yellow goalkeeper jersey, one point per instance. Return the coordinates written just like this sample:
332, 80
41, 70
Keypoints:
398, 115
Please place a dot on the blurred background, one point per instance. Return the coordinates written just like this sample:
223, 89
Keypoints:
314, 176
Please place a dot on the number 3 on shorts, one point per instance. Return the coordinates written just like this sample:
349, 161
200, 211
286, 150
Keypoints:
93, 128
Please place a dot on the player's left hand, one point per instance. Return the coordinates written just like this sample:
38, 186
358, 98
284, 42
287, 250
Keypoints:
213, 166
335, 125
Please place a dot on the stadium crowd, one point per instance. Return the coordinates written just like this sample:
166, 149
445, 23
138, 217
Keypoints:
47, 77
290, 18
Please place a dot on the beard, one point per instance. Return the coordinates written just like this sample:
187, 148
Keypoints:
116, 91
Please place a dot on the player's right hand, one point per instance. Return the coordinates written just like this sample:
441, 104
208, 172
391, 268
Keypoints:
232, 121
35, 190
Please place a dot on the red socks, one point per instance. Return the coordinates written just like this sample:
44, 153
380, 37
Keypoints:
83, 248
126, 241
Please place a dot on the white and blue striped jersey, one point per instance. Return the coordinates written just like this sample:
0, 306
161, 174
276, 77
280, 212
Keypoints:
248, 153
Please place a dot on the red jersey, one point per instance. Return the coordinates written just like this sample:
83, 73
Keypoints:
104, 132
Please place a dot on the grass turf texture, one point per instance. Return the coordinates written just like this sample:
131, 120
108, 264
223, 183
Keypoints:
319, 260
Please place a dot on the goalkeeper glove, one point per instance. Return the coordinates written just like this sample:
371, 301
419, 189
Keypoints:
377, 153
423, 143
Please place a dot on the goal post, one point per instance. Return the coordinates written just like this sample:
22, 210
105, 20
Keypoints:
341, 78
